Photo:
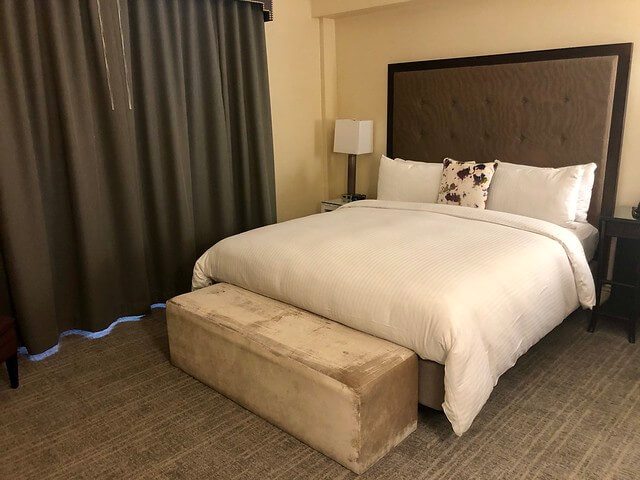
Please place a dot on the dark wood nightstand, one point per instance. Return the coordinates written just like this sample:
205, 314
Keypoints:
625, 300
9, 349
331, 205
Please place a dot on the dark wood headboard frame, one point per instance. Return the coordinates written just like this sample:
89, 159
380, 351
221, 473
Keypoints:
621, 50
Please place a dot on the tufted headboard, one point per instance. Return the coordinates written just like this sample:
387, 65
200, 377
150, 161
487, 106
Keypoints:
548, 108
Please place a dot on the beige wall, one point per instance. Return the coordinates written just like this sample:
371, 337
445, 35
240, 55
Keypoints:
337, 8
428, 29
321, 69
295, 67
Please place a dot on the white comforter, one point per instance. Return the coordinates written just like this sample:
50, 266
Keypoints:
471, 289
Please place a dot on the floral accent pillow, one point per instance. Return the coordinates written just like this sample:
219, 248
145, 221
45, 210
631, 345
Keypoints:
465, 183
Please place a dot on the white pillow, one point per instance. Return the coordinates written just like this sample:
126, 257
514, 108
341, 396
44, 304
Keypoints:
407, 181
549, 194
584, 193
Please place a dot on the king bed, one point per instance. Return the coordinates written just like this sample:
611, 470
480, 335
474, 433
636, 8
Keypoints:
469, 290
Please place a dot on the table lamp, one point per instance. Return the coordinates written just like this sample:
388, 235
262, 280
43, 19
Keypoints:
353, 137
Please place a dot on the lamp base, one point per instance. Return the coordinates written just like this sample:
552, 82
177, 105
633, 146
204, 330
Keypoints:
353, 197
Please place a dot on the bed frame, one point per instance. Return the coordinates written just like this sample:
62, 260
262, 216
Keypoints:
548, 108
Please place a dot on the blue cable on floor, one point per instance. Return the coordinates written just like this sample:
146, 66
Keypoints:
84, 333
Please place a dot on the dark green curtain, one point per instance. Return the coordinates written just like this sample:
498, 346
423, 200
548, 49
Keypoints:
203, 126
133, 136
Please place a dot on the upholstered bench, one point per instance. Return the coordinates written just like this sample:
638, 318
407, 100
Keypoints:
347, 394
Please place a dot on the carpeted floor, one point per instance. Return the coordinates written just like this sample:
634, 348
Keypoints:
116, 408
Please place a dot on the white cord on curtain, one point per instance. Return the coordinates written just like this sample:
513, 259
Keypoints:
104, 55
124, 59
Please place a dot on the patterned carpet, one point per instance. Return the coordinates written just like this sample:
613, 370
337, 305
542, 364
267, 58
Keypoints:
115, 408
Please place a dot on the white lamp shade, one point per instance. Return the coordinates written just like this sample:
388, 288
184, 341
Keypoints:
353, 136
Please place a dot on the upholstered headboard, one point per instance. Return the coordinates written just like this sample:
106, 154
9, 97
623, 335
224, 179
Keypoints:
548, 108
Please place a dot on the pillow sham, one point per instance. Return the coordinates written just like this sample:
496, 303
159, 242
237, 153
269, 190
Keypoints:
407, 181
465, 183
585, 190
549, 194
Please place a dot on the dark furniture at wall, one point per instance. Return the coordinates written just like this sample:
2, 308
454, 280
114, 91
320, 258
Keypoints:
9, 349
624, 301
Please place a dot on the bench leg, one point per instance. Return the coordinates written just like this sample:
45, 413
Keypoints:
12, 367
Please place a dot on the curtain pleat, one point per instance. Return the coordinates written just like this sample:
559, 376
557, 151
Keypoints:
104, 211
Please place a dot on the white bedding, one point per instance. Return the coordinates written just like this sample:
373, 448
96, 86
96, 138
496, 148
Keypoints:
588, 236
471, 289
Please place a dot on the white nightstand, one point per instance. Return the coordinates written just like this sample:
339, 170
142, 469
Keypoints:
330, 205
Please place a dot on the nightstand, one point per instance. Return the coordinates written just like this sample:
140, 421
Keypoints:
330, 205
624, 303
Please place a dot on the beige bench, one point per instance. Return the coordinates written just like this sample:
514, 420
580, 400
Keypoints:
347, 394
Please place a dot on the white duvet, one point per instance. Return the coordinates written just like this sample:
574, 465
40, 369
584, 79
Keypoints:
471, 289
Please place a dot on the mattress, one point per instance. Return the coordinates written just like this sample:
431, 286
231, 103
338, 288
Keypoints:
470, 289
588, 236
